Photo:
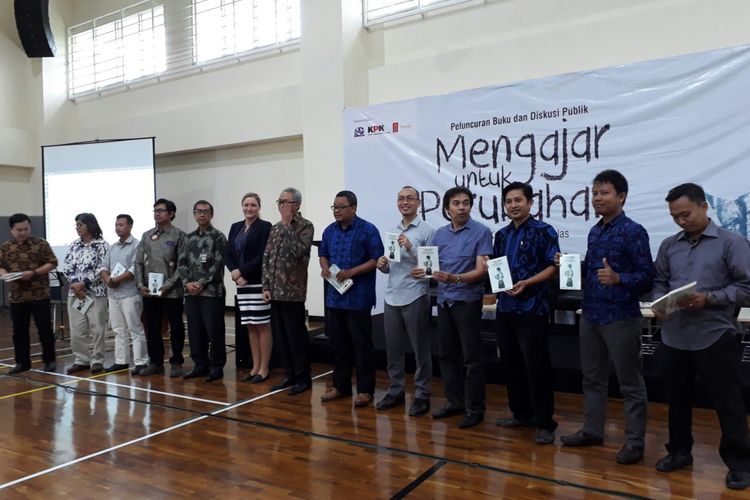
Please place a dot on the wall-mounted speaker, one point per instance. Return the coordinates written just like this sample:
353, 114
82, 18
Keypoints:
32, 22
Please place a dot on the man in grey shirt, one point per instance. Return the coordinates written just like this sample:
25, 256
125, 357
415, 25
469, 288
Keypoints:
700, 337
407, 308
125, 303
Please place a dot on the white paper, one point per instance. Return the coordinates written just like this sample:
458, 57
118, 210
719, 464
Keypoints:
428, 259
392, 248
340, 286
83, 305
155, 282
499, 273
117, 271
11, 276
668, 303
570, 271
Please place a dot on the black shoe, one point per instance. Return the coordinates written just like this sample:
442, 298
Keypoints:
299, 388
513, 422
448, 411
581, 438
674, 461
285, 382
116, 368
737, 480
257, 379
152, 369
138, 369
629, 454
471, 419
419, 407
215, 374
175, 370
544, 436
50, 367
18, 369
389, 402
75, 367
195, 373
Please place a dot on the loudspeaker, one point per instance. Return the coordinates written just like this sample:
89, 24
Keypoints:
32, 22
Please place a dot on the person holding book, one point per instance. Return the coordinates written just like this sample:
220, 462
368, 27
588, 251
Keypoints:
463, 248
156, 258
407, 308
31, 259
617, 270
125, 303
522, 319
354, 246
701, 337
87, 295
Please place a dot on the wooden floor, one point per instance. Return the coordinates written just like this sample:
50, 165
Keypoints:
117, 436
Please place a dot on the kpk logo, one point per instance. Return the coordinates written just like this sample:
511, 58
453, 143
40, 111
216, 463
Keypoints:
376, 129
359, 132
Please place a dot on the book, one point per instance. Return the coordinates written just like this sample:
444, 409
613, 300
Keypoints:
117, 271
669, 303
83, 305
499, 273
11, 276
339, 286
155, 282
392, 248
570, 271
428, 259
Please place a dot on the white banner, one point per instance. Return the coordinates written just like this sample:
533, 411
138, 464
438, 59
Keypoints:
660, 123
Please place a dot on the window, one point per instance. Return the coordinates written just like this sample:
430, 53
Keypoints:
229, 27
378, 11
117, 48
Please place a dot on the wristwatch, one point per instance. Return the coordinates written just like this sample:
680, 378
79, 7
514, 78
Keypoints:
458, 279
711, 298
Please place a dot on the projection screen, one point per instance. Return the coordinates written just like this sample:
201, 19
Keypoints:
105, 178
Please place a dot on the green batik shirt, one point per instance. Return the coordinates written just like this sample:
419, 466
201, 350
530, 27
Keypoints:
202, 259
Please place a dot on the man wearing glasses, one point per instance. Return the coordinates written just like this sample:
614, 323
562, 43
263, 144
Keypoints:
157, 255
285, 287
407, 308
354, 246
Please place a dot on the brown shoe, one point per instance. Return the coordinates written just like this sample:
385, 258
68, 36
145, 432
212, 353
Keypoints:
97, 368
331, 395
76, 368
363, 399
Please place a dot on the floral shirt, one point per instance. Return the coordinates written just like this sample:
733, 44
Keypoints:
202, 259
29, 255
285, 260
85, 262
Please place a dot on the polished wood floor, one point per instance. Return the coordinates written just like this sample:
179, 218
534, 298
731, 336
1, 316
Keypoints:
117, 436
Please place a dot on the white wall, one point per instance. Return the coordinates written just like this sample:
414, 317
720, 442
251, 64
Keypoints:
294, 99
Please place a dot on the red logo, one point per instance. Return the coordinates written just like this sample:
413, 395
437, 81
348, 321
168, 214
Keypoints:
394, 127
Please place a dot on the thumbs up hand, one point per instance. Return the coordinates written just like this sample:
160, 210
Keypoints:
607, 275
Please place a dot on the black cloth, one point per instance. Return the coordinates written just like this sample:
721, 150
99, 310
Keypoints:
21, 314
524, 355
719, 368
291, 339
206, 331
250, 260
461, 358
350, 331
153, 308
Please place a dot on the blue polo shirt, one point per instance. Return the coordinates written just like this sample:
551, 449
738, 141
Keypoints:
530, 248
457, 252
624, 243
348, 248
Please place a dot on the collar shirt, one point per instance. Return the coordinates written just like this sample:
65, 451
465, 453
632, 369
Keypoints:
27, 256
625, 245
402, 288
286, 259
720, 262
84, 263
530, 248
457, 252
202, 259
157, 253
347, 248
122, 253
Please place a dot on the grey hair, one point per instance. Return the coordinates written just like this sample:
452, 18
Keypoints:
296, 195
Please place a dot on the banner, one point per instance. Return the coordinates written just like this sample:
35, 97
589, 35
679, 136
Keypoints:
660, 123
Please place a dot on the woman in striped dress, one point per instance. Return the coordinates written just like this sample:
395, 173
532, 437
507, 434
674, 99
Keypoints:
244, 257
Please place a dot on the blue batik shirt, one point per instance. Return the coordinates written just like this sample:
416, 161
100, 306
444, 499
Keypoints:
530, 248
624, 243
347, 248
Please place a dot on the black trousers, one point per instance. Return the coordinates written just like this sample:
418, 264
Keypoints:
21, 314
461, 356
205, 320
524, 353
291, 338
350, 332
153, 308
719, 368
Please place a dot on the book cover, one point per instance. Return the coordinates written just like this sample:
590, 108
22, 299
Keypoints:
669, 303
499, 273
11, 276
340, 286
392, 248
117, 271
570, 271
155, 282
427, 259
83, 305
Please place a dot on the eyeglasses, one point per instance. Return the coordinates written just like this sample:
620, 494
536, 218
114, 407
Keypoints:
202, 211
281, 203
160, 210
401, 199
338, 208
